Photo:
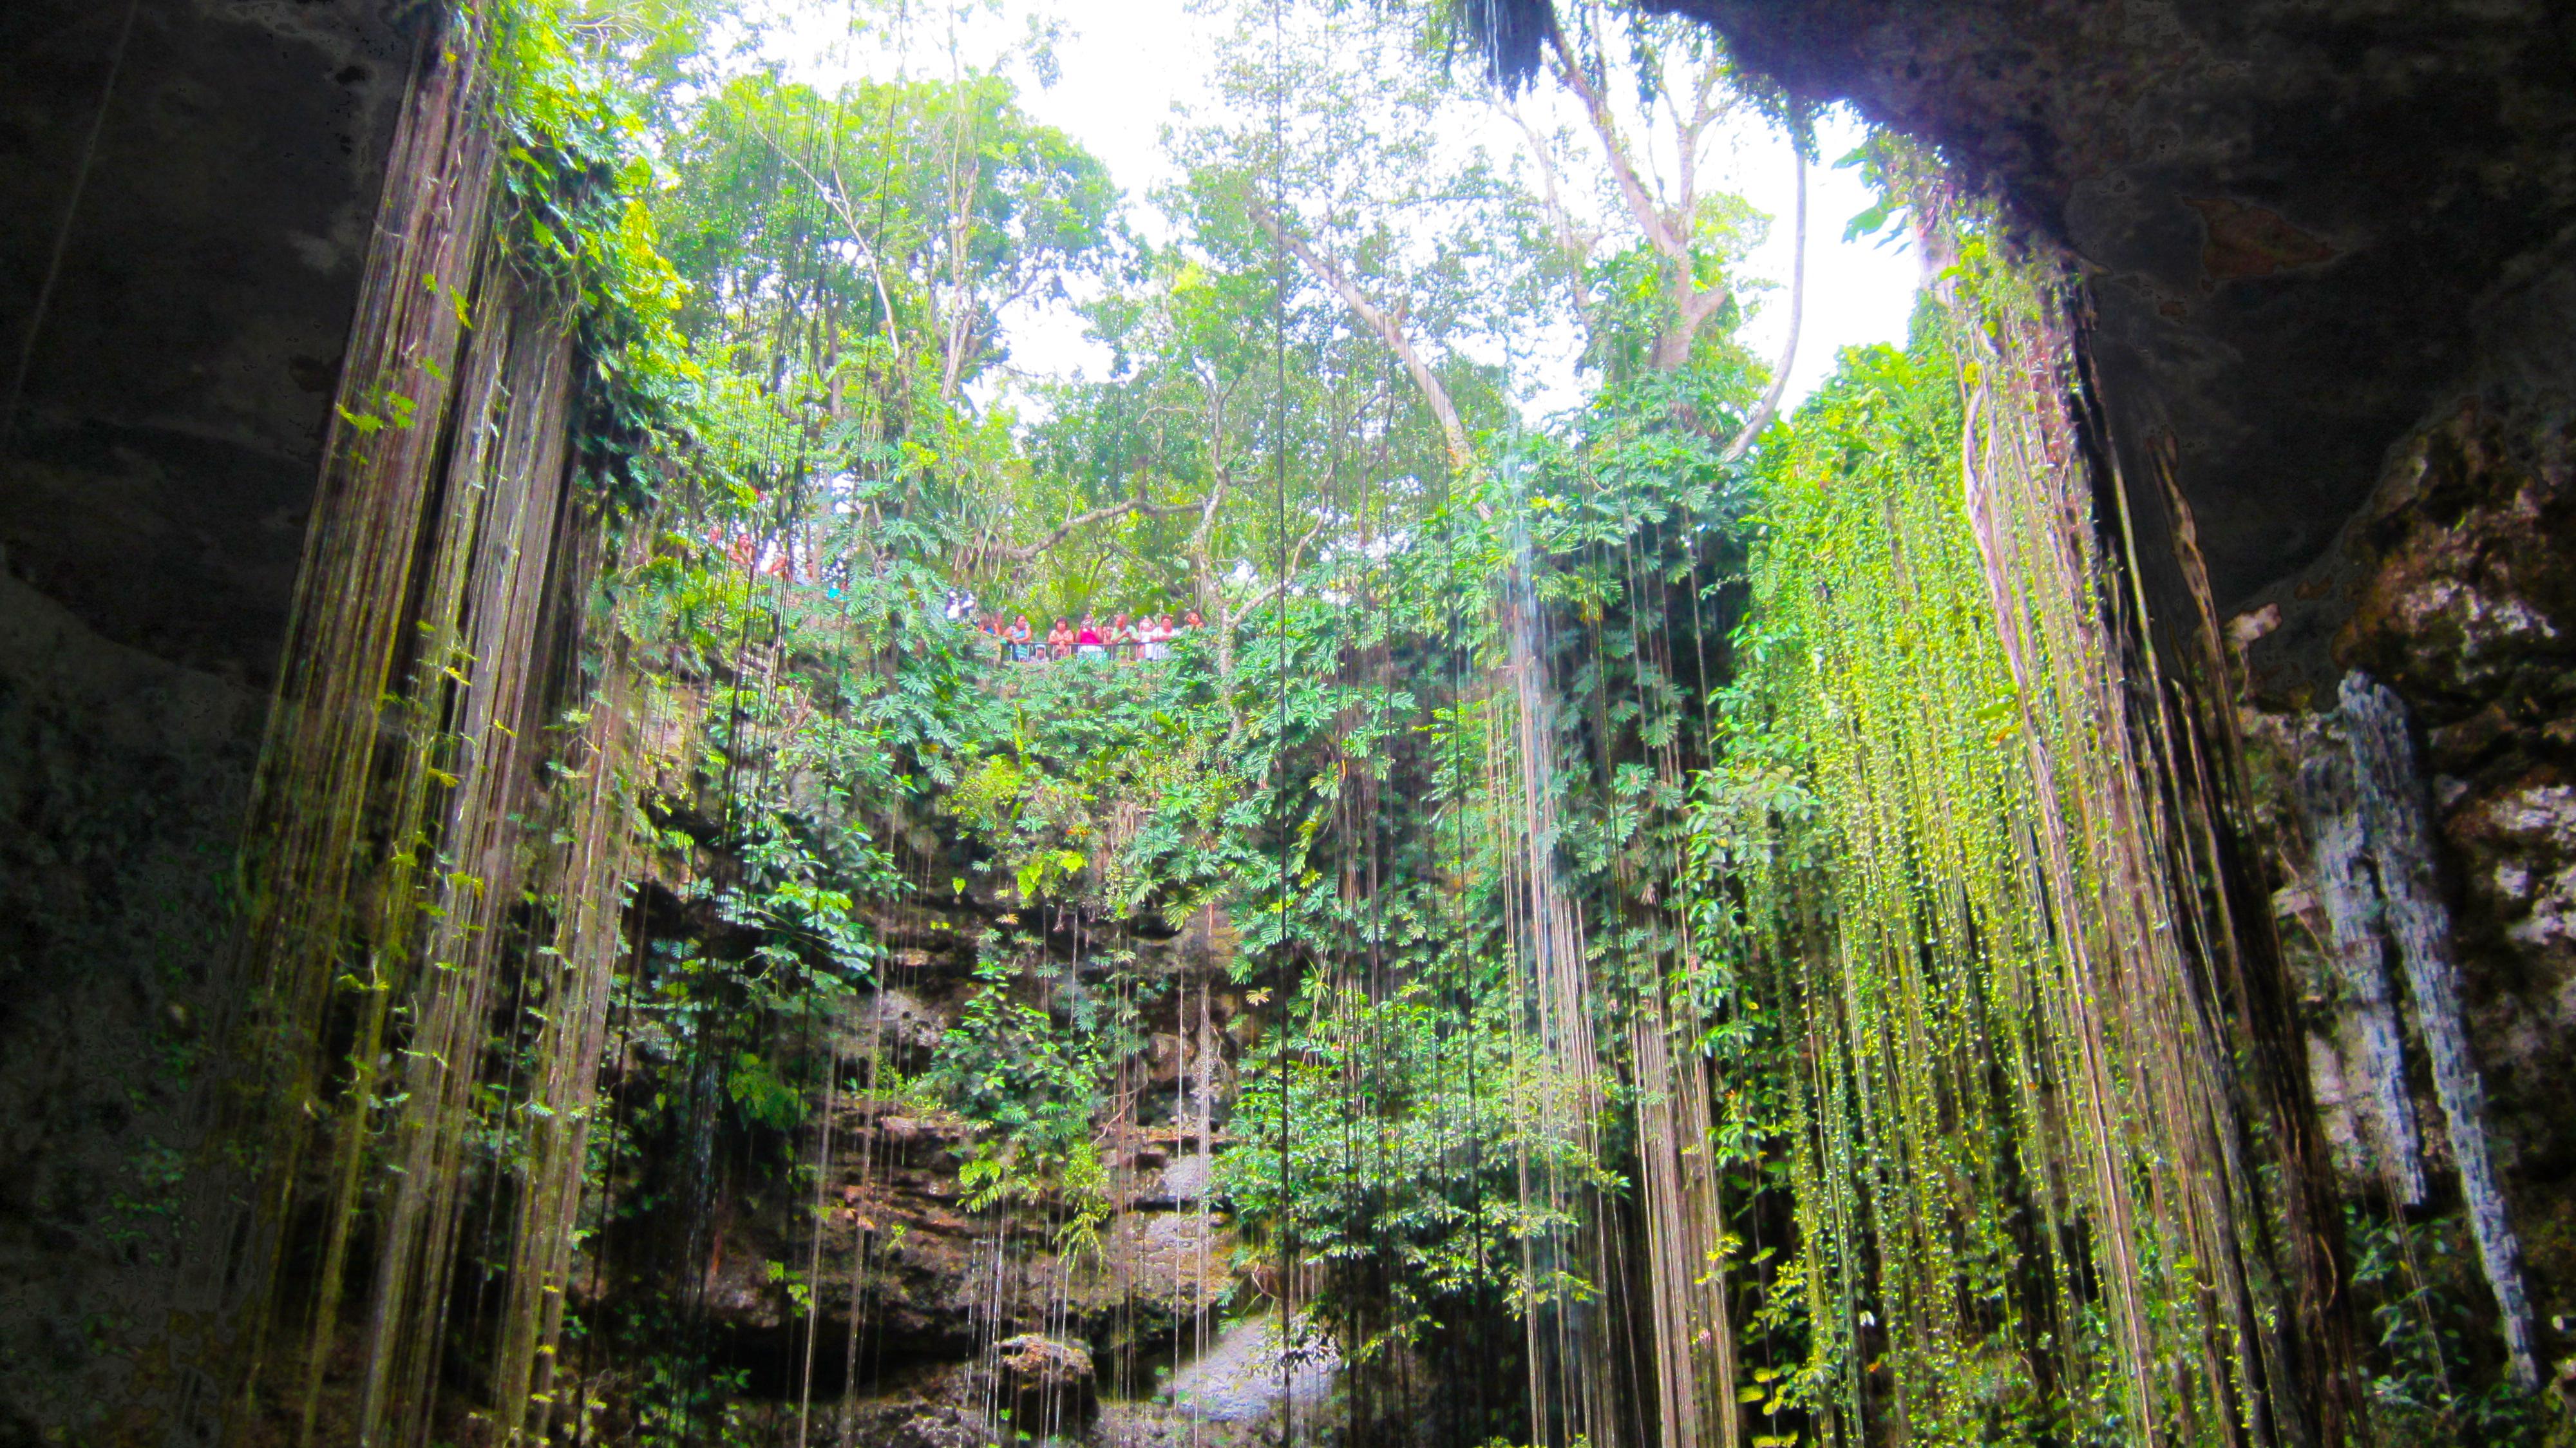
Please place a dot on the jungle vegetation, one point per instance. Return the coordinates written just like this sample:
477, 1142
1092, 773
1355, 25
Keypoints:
1733, 964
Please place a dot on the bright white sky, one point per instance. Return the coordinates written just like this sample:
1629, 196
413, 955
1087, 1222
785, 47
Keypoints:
1123, 66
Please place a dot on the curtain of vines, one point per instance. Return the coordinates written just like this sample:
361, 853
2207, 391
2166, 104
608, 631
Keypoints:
438, 841
1954, 833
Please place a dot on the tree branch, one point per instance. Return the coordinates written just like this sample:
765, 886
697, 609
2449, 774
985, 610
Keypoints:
1296, 560
1576, 243
835, 196
1596, 107
1770, 407
1666, 230
1024, 552
1389, 330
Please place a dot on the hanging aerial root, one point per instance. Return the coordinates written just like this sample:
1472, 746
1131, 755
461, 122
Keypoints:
2028, 1185
406, 939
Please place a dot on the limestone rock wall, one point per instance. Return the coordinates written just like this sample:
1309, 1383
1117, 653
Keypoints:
2456, 585
850, 1265
2299, 220
189, 186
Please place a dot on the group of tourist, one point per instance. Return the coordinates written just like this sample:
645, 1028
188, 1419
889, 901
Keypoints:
1123, 637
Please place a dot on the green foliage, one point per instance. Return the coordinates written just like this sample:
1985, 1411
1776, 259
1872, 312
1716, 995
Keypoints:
1616, 819
847, 207
1929, 847
576, 180
1338, 762
1331, 726
1394, 1153
679, 1401
1011, 1070
1868, 639
762, 1098
2434, 1378
1029, 1078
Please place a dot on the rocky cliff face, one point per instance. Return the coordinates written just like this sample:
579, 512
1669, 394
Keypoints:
190, 188
856, 1265
2327, 244
2455, 585
2306, 227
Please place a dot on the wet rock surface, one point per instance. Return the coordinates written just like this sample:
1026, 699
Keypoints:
1247, 1375
1047, 1385
2457, 585
966, 1312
